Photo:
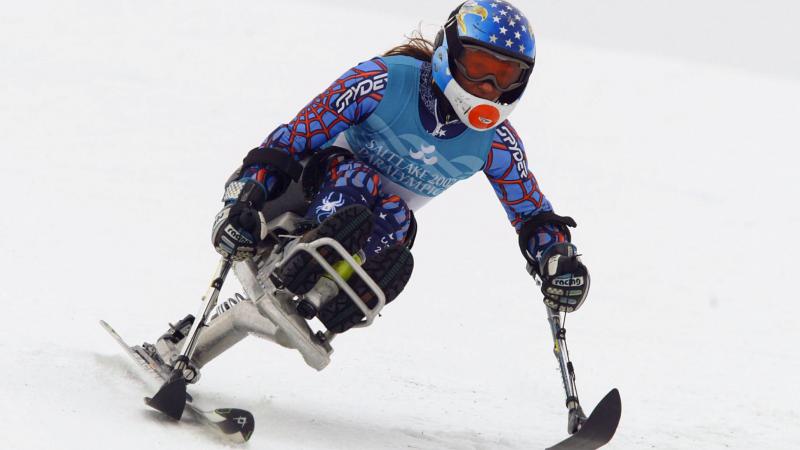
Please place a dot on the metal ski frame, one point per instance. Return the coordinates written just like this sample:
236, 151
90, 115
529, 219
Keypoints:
270, 312
369, 313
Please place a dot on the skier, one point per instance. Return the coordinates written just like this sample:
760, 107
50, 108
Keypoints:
394, 132
383, 140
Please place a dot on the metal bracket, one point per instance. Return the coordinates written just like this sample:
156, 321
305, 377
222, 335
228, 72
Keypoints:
311, 248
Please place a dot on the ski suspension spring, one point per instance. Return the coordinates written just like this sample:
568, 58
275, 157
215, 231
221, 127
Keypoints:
230, 303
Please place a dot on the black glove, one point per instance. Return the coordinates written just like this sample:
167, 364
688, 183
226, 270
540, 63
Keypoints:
240, 226
565, 280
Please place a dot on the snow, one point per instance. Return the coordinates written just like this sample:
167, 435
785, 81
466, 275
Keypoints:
119, 122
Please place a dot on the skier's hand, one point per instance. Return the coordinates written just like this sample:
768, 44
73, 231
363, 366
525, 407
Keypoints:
240, 226
565, 279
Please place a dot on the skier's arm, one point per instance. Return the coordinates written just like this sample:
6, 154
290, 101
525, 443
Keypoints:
518, 192
544, 236
268, 168
346, 102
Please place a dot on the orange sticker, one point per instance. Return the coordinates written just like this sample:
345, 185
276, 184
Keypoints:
484, 116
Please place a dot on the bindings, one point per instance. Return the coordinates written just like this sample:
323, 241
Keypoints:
169, 345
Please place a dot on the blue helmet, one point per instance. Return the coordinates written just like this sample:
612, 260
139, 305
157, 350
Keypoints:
497, 27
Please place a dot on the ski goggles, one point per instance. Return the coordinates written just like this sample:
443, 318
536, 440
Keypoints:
477, 64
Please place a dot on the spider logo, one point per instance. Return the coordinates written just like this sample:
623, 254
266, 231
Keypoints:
328, 206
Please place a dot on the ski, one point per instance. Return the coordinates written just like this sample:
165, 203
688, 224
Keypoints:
236, 424
599, 428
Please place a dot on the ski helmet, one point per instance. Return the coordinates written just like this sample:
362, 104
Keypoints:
495, 35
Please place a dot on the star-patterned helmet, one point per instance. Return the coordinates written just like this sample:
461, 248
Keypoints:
500, 34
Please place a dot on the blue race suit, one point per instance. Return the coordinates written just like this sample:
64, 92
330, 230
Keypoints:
384, 110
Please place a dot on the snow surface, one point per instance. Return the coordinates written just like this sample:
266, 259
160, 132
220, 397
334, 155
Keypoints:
119, 122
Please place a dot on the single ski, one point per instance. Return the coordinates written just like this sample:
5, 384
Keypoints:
599, 428
234, 423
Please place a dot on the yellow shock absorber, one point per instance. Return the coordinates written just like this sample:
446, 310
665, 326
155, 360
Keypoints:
344, 269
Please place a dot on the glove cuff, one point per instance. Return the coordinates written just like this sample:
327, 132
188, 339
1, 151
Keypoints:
530, 225
246, 191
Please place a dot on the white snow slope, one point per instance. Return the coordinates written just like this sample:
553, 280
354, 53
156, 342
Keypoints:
120, 121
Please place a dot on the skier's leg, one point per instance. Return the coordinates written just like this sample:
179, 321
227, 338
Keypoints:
392, 219
348, 182
354, 182
388, 262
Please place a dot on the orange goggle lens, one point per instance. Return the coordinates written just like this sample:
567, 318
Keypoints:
477, 64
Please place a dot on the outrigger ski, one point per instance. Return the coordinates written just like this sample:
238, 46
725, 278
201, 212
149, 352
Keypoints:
598, 429
234, 423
